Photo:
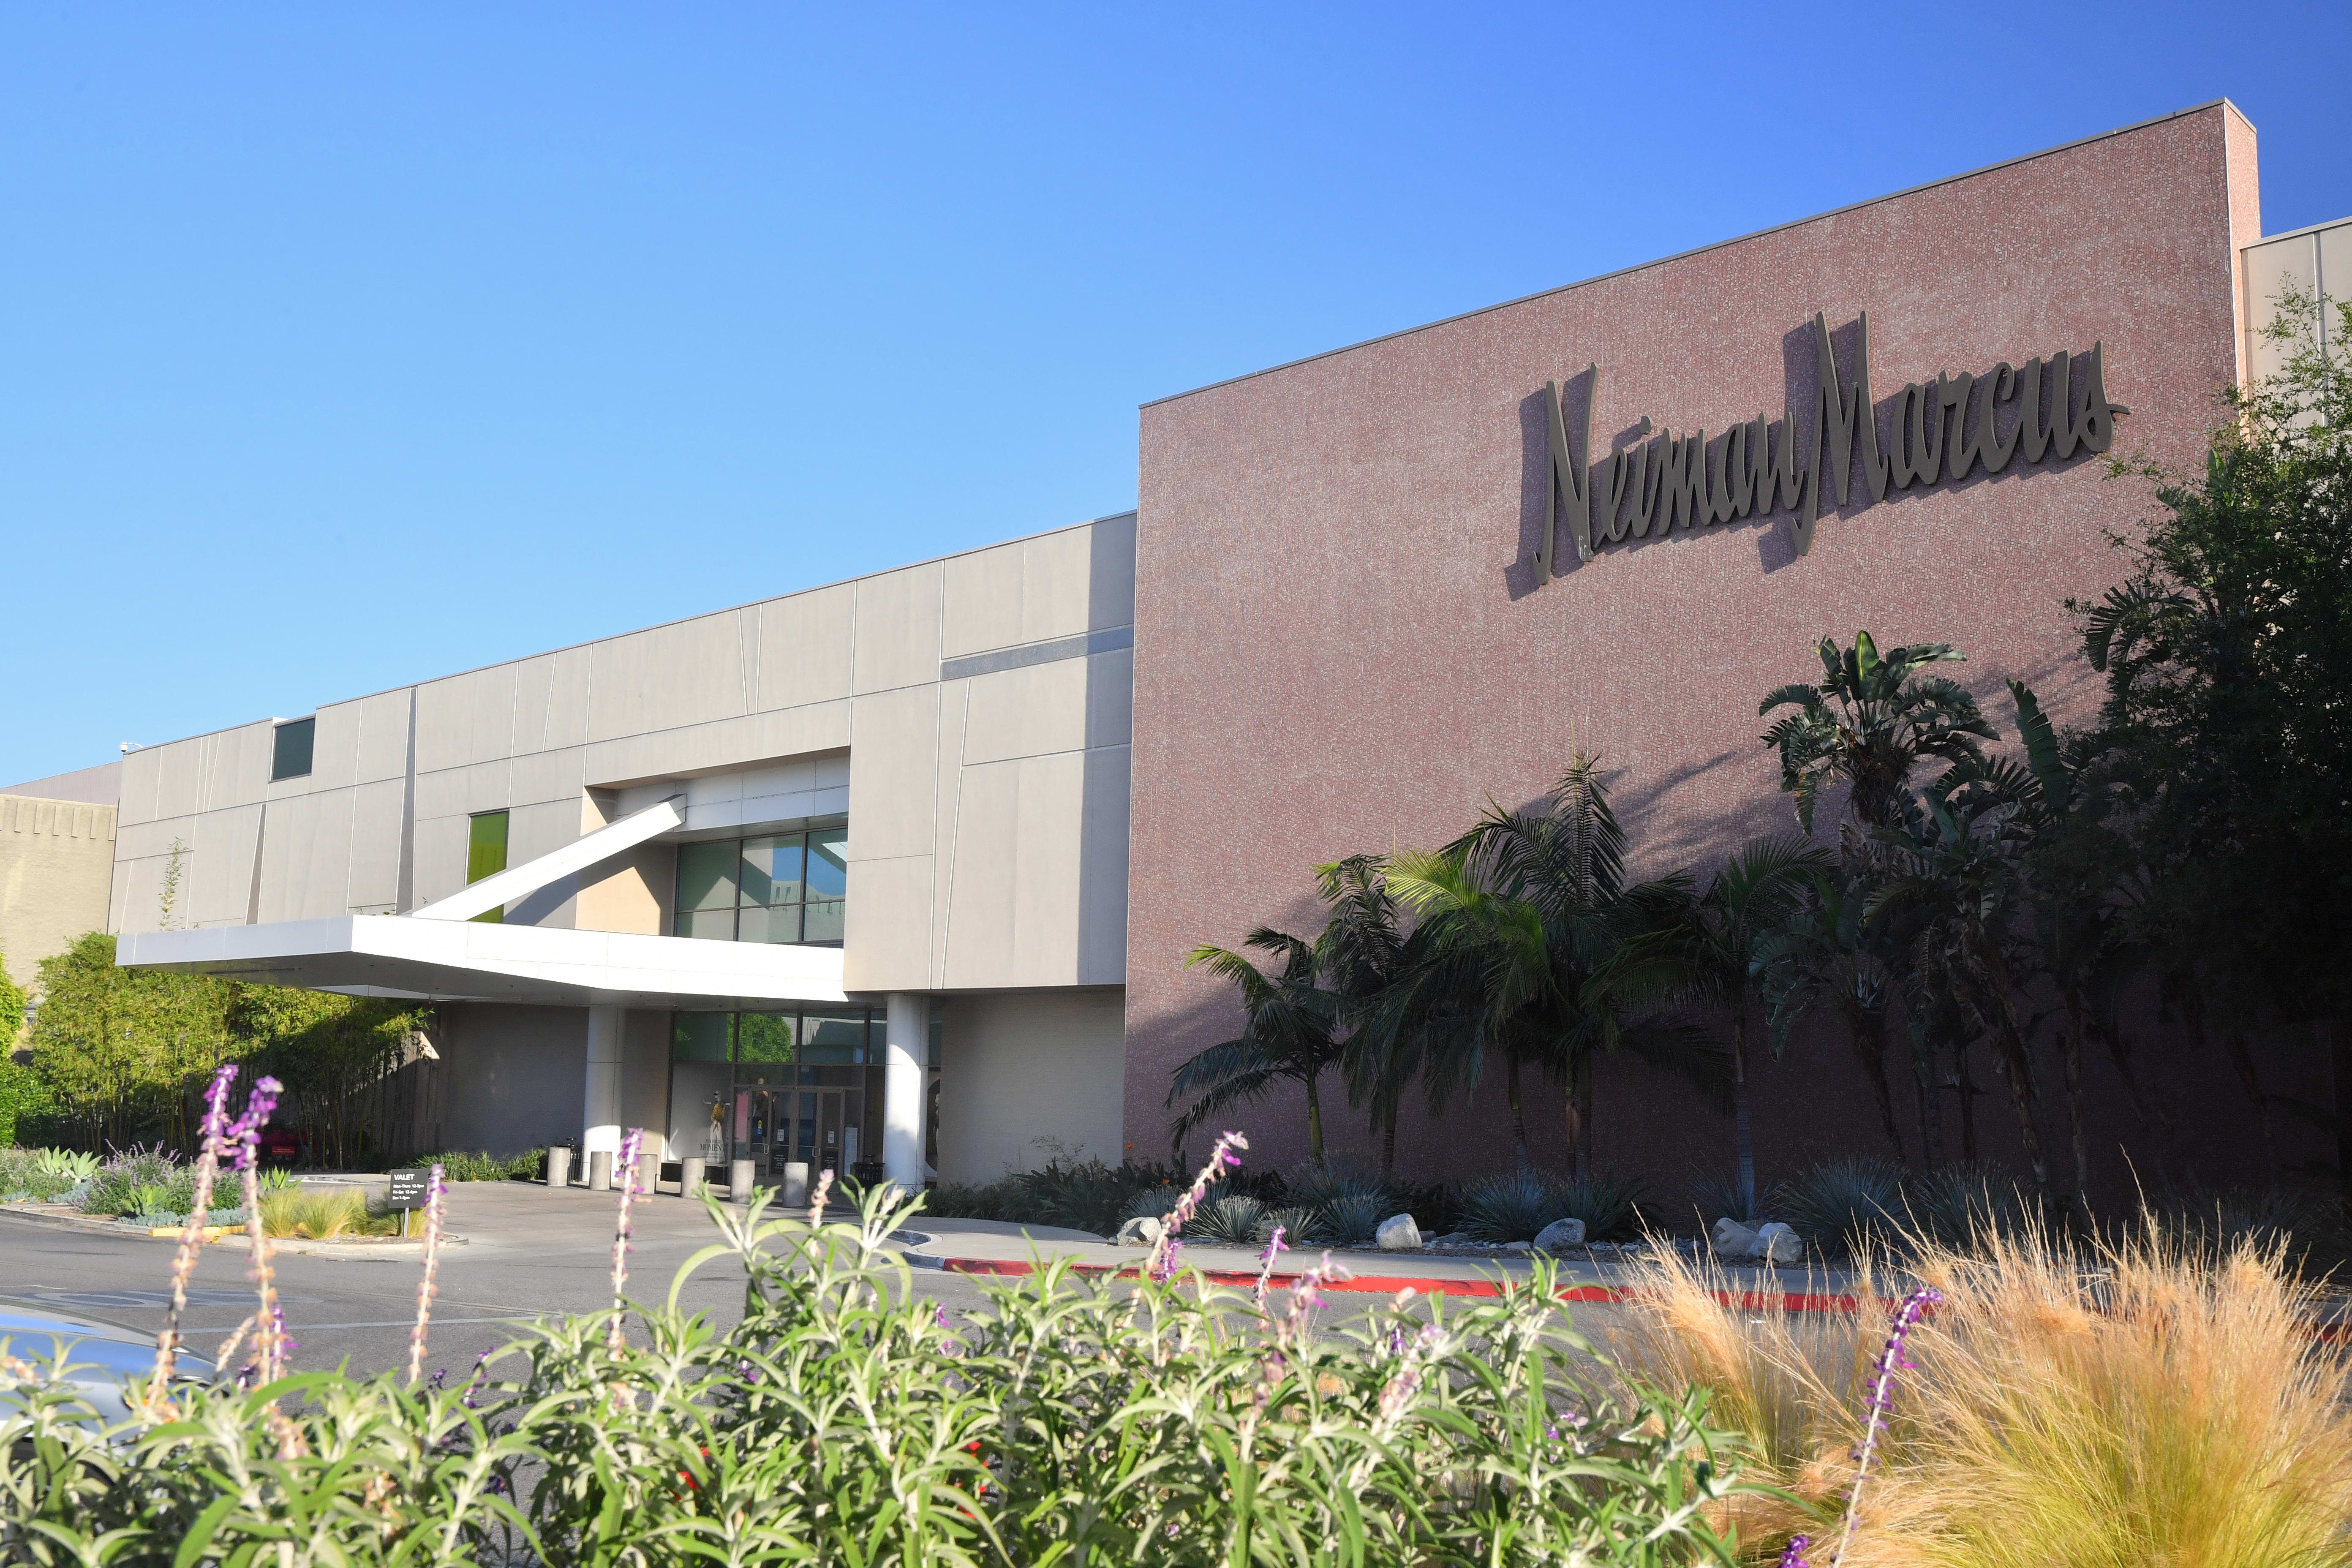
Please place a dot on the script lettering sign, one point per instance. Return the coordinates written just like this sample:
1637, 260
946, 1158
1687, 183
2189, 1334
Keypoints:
1943, 430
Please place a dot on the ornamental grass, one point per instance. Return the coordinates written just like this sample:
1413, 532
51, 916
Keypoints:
2147, 1402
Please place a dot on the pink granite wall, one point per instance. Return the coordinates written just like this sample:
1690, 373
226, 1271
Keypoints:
1339, 646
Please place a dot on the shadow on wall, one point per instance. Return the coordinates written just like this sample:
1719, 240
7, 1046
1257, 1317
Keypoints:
513, 1076
1105, 811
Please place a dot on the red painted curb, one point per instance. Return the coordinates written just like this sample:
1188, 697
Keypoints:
1389, 1285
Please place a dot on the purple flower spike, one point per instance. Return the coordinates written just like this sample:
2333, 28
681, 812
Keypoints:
1882, 1399
1793, 1555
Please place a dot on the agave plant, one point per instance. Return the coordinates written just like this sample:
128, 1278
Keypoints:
1843, 1203
1298, 1225
149, 1200
1512, 1207
1355, 1221
1152, 1202
1716, 1194
1962, 1205
66, 1166
1236, 1218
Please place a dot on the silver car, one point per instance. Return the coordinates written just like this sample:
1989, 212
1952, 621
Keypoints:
100, 1359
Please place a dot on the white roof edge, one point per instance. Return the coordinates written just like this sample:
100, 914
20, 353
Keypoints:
1712, 245
2298, 233
570, 964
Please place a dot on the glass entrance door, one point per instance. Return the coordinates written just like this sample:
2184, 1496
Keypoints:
814, 1133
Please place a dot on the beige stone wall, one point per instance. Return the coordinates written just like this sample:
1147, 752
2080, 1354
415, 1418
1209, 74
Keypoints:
55, 860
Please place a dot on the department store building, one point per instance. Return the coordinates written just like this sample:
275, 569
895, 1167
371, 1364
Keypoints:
902, 871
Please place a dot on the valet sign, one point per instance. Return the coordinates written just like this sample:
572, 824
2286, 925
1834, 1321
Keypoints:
1943, 430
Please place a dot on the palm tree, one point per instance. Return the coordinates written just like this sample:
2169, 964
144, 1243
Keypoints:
1955, 875
1868, 723
2084, 878
1286, 1036
1751, 897
1824, 955
1362, 953
1532, 951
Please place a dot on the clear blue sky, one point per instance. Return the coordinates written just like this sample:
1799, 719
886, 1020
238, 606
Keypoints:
347, 345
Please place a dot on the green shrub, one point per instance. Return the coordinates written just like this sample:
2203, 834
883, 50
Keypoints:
1074, 1194
967, 1200
480, 1165
125, 1178
845, 1420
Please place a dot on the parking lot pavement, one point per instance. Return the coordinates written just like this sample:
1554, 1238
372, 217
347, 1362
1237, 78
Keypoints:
527, 1252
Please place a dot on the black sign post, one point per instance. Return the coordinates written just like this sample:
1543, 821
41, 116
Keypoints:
408, 1192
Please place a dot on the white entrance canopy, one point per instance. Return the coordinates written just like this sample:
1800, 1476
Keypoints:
465, 961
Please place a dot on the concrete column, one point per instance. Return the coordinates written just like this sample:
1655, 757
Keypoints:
906, 1046
599, 1113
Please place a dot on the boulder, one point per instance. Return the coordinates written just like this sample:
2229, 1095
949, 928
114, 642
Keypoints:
1778, 1244
1399, 1233
1733, 1239
1516, 1246
1143, 1230
1560, 1234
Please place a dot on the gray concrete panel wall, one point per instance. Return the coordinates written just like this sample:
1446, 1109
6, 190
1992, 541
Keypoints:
969, 717
1025, 1075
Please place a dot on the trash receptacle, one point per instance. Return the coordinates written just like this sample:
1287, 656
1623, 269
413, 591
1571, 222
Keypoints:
600, 1171
738, 1180
690, 1177
559, 1167
796, 1185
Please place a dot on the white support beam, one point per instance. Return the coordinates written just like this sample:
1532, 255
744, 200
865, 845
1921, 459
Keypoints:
503, 887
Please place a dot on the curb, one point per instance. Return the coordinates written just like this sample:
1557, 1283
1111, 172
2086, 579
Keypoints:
1390, 1284
234, 1236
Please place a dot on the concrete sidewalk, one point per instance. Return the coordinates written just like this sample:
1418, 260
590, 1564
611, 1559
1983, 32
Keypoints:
990, 1247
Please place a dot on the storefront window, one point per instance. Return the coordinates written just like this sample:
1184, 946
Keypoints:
778, 887
777, 1087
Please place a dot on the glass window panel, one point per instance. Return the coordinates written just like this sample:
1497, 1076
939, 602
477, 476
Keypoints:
772, 869
699, 1036
485, 855
290, 748
780, 924
825, 923
764, 1038
485, 846
706, 875
828, 863
833, 1038
710, 925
